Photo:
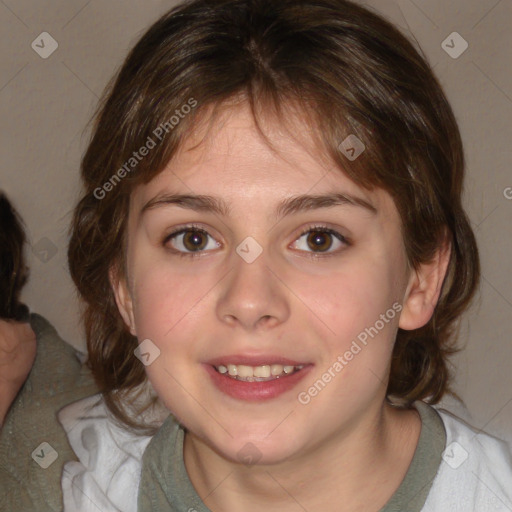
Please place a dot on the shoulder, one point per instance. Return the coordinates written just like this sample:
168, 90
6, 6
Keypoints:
475, 473
58, 376
41, 326
56, 379
54, 355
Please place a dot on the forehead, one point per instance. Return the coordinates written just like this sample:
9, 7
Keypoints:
230, 158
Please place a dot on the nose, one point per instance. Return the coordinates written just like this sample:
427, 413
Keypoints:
253, 296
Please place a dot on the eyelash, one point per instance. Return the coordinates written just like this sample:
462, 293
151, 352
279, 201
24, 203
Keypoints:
311, 228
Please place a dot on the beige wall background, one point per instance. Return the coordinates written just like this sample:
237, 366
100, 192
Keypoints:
45, 104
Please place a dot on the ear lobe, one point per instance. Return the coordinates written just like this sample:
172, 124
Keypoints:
424, 289
123, 299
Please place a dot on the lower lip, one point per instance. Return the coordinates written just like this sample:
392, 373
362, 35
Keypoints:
255, 391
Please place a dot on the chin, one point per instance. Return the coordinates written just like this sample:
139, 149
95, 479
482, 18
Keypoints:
254, 450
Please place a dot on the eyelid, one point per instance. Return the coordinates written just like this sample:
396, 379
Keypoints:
185, 227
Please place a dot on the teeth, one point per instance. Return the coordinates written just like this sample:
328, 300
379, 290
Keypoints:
260, 371
245, 371
276, 369
255, 373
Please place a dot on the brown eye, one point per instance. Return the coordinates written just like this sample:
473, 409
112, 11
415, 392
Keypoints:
190, 240
319, 240
194, 240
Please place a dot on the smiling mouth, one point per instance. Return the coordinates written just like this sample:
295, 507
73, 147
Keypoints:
257, 373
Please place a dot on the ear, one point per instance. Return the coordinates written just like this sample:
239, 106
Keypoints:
123, 298
424, 288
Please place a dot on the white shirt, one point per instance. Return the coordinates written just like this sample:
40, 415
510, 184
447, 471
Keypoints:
475, 474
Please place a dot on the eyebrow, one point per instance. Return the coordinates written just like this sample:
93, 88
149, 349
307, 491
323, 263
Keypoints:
288, 206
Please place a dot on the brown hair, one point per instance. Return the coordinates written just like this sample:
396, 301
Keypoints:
13, 271
350, 72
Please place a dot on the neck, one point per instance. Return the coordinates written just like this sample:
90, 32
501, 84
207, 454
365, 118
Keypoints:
361, 464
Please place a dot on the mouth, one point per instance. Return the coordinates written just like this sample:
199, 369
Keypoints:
266, 378
263, 373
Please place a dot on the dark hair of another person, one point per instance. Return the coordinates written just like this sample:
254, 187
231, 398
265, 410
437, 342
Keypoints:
13, 271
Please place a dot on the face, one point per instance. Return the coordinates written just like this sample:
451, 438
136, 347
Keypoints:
275, 317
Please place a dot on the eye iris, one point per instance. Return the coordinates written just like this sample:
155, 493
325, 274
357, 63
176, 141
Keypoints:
320, 240
194, 240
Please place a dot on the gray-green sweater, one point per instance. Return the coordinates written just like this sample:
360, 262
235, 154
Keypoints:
57, 378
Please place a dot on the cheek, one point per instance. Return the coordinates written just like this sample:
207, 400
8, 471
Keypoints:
166, 301
169, 309
359, 341
351, 300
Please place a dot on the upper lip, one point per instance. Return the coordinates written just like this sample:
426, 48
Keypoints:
255, 360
